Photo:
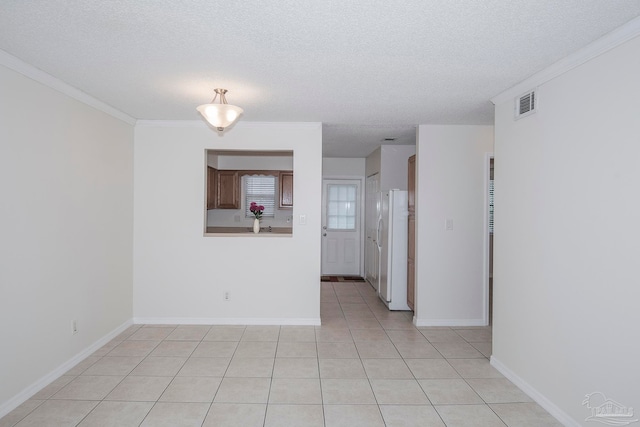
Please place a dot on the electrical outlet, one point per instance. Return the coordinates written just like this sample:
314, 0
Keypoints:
227, 296
74, 327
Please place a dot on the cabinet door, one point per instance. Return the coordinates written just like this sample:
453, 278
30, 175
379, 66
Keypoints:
286, 190
228, 194
211, 188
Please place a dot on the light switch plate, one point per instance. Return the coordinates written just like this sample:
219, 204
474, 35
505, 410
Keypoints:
303, 219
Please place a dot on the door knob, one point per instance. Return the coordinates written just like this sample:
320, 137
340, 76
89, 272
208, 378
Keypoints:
324, 234
324, 227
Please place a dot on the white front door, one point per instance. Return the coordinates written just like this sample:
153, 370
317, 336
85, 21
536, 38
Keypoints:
341, 227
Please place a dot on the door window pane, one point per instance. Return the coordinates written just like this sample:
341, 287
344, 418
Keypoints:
341, 206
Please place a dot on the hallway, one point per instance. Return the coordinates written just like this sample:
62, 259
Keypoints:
436, 376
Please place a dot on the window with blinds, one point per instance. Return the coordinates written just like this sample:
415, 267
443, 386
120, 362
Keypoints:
262, 190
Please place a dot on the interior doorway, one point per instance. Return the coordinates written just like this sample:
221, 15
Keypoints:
341, 227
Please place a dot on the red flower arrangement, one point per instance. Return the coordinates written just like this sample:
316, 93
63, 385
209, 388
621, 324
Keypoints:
256, 210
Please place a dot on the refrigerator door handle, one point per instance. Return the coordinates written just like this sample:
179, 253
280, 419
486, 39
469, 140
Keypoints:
378, 235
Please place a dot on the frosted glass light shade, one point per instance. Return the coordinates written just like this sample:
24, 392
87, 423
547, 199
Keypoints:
220, 116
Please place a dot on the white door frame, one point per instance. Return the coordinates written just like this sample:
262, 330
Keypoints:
362, 209
485, 286
370, 210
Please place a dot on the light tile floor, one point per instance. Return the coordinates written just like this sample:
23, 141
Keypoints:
365, 366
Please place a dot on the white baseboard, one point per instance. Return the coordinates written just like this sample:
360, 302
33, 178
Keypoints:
449, 322
538, 397
25, 394
226, 321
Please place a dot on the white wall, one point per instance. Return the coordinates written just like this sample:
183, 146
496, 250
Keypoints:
450, 265
338, 166
394, 166
391, 162
66, 179
264, 162
180, 276
373, 162
567, 237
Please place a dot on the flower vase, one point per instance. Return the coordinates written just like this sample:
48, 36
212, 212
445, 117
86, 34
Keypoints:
256, 225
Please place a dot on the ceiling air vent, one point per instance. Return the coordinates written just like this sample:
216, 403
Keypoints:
526, 104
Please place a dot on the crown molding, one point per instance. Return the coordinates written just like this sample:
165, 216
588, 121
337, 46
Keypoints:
146, 123
607, 42
46, 79
200, 124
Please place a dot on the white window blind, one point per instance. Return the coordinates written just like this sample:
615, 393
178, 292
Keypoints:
262, 190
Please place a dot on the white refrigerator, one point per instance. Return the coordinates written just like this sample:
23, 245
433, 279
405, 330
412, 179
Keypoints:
392, 242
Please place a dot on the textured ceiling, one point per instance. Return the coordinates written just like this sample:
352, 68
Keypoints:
367, 69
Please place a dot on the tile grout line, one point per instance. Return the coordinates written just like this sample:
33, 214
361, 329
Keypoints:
156, 401
371, 310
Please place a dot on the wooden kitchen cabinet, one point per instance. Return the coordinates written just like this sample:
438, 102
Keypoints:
211, 187
411, 249
286, 190
227, 189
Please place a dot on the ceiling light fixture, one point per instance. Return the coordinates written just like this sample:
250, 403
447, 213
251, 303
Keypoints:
220, 115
